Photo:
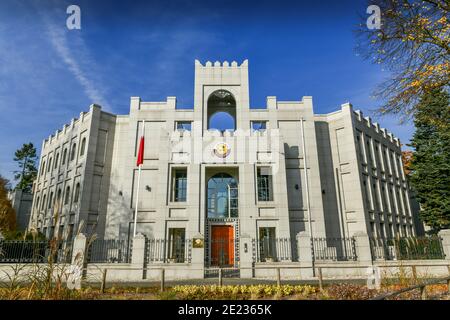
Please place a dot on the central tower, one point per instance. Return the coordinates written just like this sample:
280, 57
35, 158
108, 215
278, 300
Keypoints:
221, 87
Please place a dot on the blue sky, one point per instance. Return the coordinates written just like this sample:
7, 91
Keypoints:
49, 74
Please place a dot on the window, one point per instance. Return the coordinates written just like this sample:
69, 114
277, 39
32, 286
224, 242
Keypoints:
43, 202
50, 200
183, 125
56, 161
43, 168
49, 166
76, 196
37, 203
67, 196
259, 125
177, 238
64, 156
72, 153
223, 196
179, 184
267, 244
265, 192
83, 146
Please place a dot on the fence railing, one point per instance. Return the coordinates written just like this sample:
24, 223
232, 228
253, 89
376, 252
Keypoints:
18, 251
334, 249
276, 250
109, 251
168, 251
410, 248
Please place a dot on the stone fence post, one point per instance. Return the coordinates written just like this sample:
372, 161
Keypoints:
363, 249
305, 254
198, 257
246, 256
79, 247
445, 235
138, 256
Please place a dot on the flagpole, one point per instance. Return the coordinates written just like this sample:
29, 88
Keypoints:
138, 186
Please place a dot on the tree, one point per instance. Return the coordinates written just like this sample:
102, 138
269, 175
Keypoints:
406, 160
26, 158
7, 212
413, 43
430, 164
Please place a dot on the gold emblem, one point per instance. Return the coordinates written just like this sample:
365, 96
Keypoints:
222, 150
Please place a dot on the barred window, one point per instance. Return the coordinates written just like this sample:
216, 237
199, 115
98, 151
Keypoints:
265, 192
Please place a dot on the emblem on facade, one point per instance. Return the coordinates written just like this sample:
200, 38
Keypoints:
222, 150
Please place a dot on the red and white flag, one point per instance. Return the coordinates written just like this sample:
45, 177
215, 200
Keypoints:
139, 162
140, 157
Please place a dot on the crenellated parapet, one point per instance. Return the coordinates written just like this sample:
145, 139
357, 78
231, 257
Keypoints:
367, 122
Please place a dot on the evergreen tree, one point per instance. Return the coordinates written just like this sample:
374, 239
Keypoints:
26, 158
430, 165
7, 213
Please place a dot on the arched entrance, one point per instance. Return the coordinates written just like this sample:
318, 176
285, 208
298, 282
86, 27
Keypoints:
222, 196
222, 213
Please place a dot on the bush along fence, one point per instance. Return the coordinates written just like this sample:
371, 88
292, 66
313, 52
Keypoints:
143, 258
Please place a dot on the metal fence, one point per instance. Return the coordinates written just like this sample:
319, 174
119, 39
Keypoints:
407, 248
168, 251
18, 251
334, 249
276, 250
109, 251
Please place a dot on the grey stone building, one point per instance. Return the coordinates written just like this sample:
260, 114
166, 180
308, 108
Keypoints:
271, 173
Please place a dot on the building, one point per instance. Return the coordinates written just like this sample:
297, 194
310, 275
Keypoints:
21, 201
249, 180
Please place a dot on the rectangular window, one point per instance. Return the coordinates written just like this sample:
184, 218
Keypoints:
265, 189
267, 244
177, 239
183, 125
179, 184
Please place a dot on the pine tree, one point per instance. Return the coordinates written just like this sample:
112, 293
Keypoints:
7, 213
430, 165
26, 158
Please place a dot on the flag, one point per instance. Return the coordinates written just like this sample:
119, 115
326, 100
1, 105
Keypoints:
140, 157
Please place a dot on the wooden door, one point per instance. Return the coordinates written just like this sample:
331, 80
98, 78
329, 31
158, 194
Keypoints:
222, 246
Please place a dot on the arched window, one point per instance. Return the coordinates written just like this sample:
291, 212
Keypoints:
37, 203
72, 153
76, 195
83, 146
56, 161
222, 196
64, 157
221, 111
67, 196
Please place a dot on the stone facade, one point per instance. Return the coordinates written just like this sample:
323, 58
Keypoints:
279, 171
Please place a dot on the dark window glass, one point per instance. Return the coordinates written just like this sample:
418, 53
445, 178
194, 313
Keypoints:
180, 185
265, 192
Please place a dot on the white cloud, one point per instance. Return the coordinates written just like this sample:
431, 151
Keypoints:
75, 55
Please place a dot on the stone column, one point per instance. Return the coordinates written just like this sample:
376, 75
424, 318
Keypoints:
363, 250
305, 256
445, 235
246, 256
198, 257
78, 251
138, 256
